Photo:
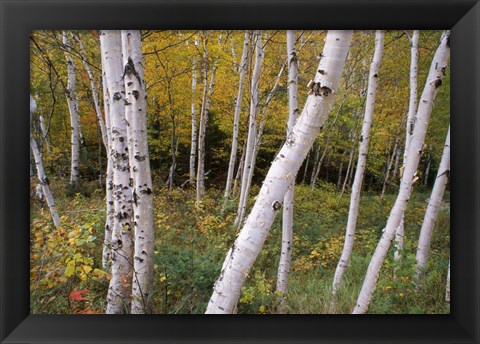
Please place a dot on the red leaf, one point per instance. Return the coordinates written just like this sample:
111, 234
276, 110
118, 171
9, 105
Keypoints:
78, 294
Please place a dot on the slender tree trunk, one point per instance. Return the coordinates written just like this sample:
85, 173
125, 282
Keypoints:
193, 148
315, 165
427, 169
44, 133
389, 168
120, 289
395, 168
349, 170
95, 94
42, 178
239, 170
72, 101
243, 253
252, 129
399, 235
434, 80
135, 114
171, 170
412, 107
287, 218
236, 119
432, 211
362, 162
319, 166
306, 167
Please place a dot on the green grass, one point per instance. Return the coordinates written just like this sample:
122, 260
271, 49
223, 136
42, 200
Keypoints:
190, 248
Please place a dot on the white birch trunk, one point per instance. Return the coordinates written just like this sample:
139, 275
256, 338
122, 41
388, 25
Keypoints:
42, 178
412, 107
287, 218
110, 213
432, 210
121, 243
72, 101
44, 133
95, 95
135, 113
361, 164
242, 255
252, 128
236, 118
434, 80
193, 147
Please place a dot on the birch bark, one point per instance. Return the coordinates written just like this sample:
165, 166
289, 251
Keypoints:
246, 248
72, 101
432, 211
362, 162
236, 118
434, 80
136, 118
121, 243
287, 218
193, 147
252, 128
42, 178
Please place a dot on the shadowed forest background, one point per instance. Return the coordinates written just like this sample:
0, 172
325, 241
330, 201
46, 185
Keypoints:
193, 234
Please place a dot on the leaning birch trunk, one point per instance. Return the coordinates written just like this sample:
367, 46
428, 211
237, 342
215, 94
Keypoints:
95, 97
399, 234
243, 253
106, 252
434, 80
432, 211
361, 164
121, 242
193, 147
72, 101
252, 129
44, 133
136, 116
42, 178
236, 118
287, 218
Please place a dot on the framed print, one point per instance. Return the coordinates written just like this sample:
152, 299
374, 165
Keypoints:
140, 113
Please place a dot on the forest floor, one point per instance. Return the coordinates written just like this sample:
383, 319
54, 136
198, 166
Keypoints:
66, 274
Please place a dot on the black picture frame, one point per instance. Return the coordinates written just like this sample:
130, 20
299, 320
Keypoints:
18, 18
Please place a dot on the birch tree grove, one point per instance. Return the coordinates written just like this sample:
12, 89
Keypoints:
432, 210
160, 159
287, 219
362, 161
243, 253
122, 244
72, 101
141, 180
434, 81
236, 120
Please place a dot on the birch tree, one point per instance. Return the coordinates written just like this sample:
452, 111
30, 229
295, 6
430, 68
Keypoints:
120, 289
72, 101
287, 218
243, 253
252, 128
447, 287
236, 119
432, 211
434, 80
361, 163
193, 147
95, 95
135, 114
42, 178
412, 108
110, 210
